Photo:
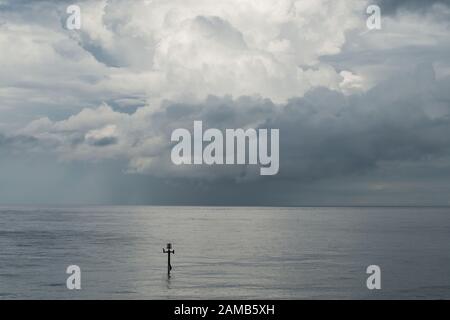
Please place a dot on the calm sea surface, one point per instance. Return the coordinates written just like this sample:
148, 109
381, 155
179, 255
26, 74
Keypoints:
249, 253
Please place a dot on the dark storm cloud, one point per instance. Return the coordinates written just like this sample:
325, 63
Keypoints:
393, 6
351, 138
103, 142
326, 134
325, 138
395, 135
17, 141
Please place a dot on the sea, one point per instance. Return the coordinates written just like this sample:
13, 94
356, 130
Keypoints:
225, 252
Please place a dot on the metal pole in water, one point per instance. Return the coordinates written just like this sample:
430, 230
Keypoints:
168, 251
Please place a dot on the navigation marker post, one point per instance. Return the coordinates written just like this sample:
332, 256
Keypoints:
168, 251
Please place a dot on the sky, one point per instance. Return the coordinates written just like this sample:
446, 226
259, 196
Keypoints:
86, 115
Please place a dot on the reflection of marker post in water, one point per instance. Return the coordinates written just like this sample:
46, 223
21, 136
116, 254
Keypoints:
168, 251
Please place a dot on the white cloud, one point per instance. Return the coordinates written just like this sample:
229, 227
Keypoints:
175, 49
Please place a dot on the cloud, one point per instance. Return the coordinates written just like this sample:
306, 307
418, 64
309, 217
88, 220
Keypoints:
17, 141
99, 104
176, 50
394, 6
322, 135
102, 137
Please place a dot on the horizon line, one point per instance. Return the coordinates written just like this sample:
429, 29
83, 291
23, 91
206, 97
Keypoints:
223, 206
